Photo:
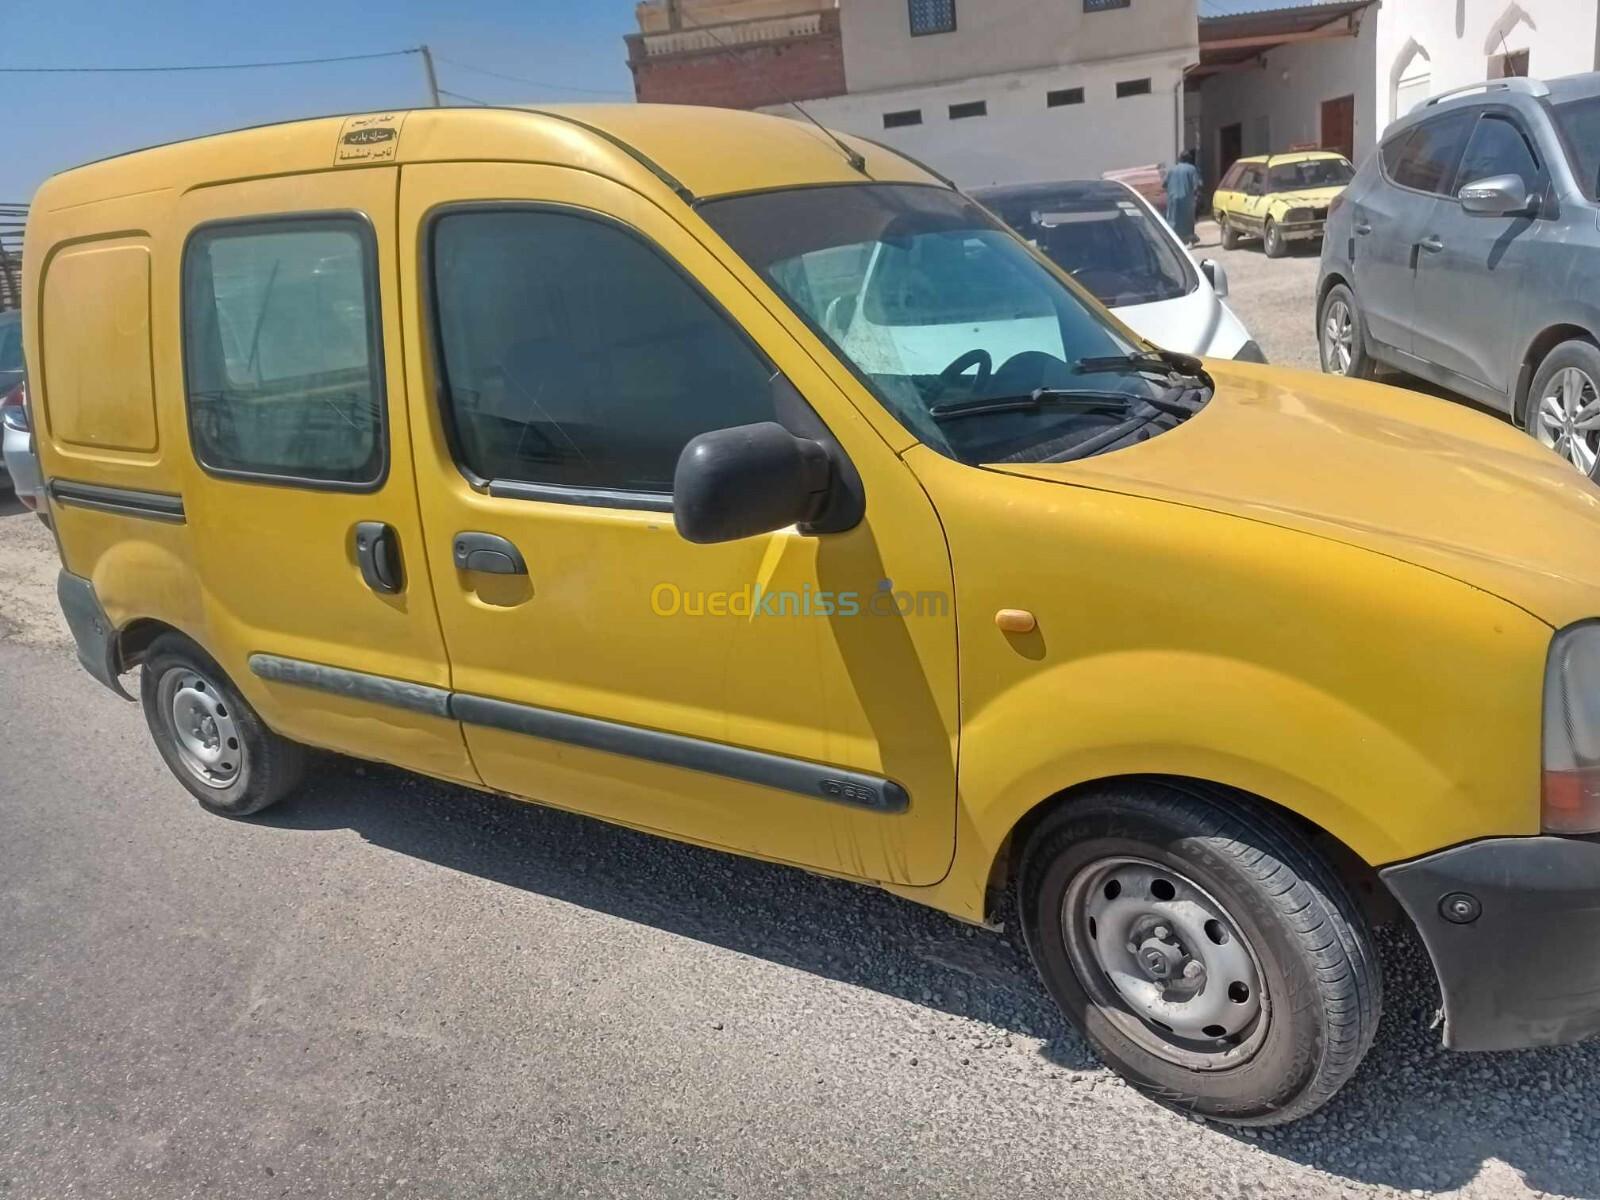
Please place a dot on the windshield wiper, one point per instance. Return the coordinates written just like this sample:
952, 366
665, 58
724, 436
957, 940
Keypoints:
1165, 363
1088, 401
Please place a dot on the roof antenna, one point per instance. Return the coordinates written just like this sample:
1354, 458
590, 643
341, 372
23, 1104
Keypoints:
851, 155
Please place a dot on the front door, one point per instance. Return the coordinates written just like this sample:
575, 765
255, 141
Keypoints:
1230, 145
1339, 126
784, 695
300, 475
1471, 288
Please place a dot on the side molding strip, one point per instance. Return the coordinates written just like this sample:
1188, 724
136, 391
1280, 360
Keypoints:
817, 780
715, 758
128, 502
358, 685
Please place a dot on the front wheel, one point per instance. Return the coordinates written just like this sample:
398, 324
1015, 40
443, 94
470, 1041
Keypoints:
1216, 963
1341, 345
210, 737
1272, 240
1563, 411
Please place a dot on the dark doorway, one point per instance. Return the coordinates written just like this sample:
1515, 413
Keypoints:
1339, 126
1230, 145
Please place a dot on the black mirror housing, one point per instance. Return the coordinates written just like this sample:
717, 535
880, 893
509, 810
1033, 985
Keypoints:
748, 480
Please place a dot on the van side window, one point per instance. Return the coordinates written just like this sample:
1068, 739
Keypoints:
574, 355
282, 353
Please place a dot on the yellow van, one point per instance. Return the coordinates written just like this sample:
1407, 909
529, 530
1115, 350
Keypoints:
708, 473
1280, 198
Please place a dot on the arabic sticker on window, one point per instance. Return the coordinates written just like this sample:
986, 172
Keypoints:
374, 137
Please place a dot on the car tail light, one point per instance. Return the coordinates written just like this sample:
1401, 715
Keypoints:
1571, 802
14, 408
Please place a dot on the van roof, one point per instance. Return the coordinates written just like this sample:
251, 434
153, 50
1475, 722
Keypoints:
1289, 156
698, 152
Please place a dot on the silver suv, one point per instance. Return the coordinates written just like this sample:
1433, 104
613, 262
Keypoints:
1465, 251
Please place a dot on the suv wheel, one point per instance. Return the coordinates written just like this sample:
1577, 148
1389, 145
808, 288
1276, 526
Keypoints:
1340, 344
1230, 239
1563, 409
1272, 240
210, 738
1215, 962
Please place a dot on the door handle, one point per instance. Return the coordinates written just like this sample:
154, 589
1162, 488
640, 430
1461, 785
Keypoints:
1431, 244
489, 553
378, 554
1363, 228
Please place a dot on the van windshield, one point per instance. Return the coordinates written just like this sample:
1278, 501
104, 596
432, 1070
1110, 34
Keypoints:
938, 307
1309, 173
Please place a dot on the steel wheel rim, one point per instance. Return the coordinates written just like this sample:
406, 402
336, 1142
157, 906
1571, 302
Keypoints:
1272, 236
1338, 338
1567, 418
203, 727
1133, 928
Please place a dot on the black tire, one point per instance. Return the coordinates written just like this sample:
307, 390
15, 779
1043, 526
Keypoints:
1584, 358
1230, 239
1272, 240
1320, 985
262, 767
1361, 365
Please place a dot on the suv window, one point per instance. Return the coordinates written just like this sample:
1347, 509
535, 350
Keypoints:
1425, 158
573, 354
1578, 122
1497, 147
282, 351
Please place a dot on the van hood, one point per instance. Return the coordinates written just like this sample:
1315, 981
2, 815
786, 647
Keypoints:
1308, 197
1406, 475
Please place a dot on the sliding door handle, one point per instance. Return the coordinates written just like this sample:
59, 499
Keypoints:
488, 553
378, 555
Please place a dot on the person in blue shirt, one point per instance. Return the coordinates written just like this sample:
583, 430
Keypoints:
1182, 182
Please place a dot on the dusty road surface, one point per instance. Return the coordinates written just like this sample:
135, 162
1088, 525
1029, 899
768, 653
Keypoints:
390, 987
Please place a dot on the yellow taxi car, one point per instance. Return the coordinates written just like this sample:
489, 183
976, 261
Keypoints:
533, 451
1280, 198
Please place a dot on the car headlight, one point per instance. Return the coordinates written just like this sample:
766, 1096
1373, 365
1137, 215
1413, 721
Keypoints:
1297, 214
1571, 802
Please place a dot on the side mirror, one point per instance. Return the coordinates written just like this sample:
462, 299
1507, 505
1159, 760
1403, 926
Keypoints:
751, 479
1496, 196
1217, 274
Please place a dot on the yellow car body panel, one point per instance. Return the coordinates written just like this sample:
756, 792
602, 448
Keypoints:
1333, 595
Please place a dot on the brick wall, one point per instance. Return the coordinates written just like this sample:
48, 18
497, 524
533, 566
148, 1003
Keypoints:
746, 75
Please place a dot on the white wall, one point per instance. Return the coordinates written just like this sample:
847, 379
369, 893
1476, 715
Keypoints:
1000, 36
1280, 104
1021, 140
1455, 38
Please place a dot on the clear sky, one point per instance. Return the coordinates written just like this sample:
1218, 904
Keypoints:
48, 122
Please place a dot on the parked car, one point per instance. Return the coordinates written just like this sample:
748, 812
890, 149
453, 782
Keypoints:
1280, 198
560, 482
1108, 238
10, 370
16, 450
1465, 252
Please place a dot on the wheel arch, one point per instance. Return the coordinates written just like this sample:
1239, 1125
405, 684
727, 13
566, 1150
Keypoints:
135, 638
1359, 875
1545, 341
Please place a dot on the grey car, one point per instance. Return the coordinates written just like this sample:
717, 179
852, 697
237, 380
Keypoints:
1465, 252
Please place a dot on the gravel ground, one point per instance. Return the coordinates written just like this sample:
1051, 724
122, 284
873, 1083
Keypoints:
1274, 297
391, 987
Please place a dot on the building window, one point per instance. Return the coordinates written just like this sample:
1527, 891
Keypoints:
899, 120
1133, 87
932, 16
1062, 97
1104, 5
975, 108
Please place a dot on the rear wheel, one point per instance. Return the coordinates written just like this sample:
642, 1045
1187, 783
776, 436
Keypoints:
209, 736
1563, 410
1272, 240
1217, 964
1230, 239
1341, 345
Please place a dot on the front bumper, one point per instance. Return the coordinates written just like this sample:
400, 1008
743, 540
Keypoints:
1301, 230
1511, 925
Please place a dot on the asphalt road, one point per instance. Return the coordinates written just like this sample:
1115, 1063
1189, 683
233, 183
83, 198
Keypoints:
390, 987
